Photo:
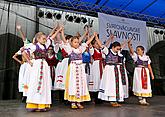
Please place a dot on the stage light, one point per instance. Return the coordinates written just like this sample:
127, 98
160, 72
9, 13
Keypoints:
74, 17
156, 31
48, 15
77, 20
91, 24
69, 18
84, 20
57, 16
161, 32
40, 14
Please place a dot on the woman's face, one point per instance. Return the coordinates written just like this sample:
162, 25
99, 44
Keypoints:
42, 39
139, 51
50, 50
75, 43
96, 45
116, 49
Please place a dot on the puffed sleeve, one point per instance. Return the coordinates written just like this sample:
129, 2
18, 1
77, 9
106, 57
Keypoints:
49, 41
19, 52
149, 60
83, 47
67, 47
134, 57
91, 50
30, 48
105, 50
56, 47
25, 42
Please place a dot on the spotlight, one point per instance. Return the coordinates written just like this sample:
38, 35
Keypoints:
57, 16
156, 31
40, 14
69, 18
48, 15
161, 32
84, 20
77, 20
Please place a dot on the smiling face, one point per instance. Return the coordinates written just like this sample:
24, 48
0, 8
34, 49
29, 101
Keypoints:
42, 39
96, 45
140, 50
75, 42
50, 50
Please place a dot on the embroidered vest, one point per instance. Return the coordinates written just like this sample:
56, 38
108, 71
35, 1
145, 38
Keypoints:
111, 58
74, 56
40, 53
97, 55
141, 62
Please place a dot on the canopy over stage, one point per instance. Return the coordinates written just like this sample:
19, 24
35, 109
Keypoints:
152, 11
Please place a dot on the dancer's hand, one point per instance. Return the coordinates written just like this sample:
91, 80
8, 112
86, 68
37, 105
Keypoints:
152, 76
31, 64
18, 27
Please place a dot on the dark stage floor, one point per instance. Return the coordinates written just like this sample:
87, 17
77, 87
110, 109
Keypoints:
14, 108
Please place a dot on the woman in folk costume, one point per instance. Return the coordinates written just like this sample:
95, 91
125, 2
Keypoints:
52, 62
39, 90
108, 44
76, 89
96, 68
114, 76
142, 72
62, 65
21, 70
22, 78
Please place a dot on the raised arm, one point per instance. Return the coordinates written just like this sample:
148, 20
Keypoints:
63, 35
130, 47
83, 36
110, 40
123, 44
53, 30
55, 33
90, 39
98, 40
19, 29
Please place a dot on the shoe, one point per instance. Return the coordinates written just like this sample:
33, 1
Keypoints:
41, 110
73, 106
80, 106
144, 103
115, 104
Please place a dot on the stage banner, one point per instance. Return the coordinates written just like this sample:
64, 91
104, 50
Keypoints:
122, 29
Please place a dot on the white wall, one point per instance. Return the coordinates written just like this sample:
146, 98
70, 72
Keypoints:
27, 25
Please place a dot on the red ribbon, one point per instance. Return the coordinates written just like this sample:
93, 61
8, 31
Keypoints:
144, 78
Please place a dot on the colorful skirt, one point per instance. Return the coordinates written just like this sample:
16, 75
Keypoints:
76, 89
112, 87
137, 83
39, 89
